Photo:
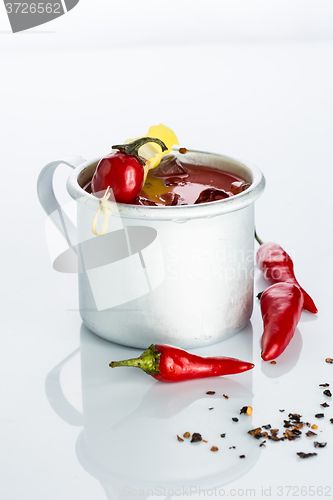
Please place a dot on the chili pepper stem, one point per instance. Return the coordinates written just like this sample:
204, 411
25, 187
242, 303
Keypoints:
257, 238
148, 361
132, 148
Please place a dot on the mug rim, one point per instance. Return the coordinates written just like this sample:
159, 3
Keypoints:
178, 212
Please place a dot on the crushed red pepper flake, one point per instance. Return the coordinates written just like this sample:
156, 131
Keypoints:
281, 411
196, 437
204, 441
329, 360
179, 438
267, 426
186, 434
324, 385
241, 456
235, 419
324, 405
223, 435
246, 410
301, 454
214, 448
262, 444
273, 362
274, 437
211, 408
327, 393
225, 396
294, 416
232, 447
331, 420
274, 431
255, 431
314, 426
316, 444
210, 393
310, 434
182, 151
319, 415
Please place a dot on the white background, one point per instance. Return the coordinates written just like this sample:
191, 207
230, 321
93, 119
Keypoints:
250, 79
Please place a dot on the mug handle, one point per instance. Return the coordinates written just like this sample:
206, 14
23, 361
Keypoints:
50, 203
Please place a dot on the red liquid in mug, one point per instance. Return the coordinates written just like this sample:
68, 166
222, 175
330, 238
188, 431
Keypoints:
176, 182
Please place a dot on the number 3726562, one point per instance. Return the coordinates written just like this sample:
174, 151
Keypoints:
33, 8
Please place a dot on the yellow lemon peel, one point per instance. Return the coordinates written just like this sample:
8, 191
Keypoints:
152, 151
166, 135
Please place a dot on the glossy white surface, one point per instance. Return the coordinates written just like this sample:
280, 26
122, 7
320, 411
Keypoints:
71, 427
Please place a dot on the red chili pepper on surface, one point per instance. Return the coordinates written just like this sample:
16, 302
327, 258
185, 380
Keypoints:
277, 267
172, 364
123, 171
281, 307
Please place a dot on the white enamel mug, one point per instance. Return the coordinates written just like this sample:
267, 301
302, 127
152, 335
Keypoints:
181, 275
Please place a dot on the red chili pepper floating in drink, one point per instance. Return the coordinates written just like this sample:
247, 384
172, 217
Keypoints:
171, 364
123, 171
281, 307
277, 267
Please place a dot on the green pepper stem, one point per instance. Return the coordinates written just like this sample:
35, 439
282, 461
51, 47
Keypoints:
148, 361
132, 148
257, 238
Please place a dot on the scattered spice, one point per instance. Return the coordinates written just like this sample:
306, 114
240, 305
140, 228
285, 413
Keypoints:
212, 408
182, 151
179, 438
196, 437
235, 419
210, 393
273, 362
314, 426
274, 431
319, 415
186, 434
324, 405
241, 456
331, 420
274, 437
327, 393
319, 445
281, 410
310, 434
204, 441
268, 426
225, 396
223, 435
324, 385
263, 444
306, 455
329, 360
246, 410
214, 448
255, 431
295, 416
232, 447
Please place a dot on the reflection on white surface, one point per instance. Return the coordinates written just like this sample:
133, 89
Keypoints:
131, 421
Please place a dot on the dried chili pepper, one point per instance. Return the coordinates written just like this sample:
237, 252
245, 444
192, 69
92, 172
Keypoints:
172, 364
277, 266
281, 307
